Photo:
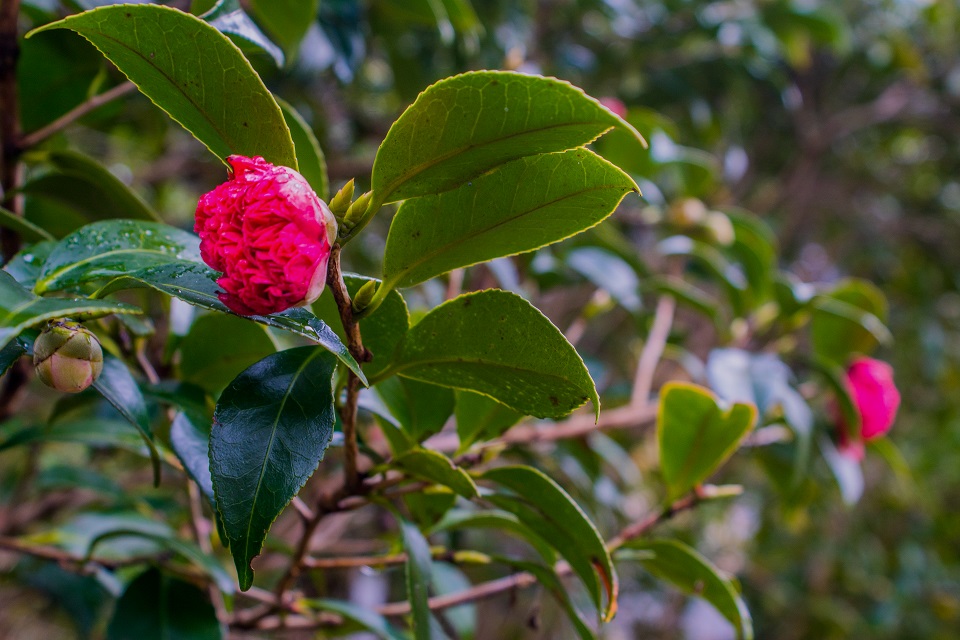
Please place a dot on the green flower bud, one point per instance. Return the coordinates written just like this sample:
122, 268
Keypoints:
357, 210
67, 357
362, 300
341, 202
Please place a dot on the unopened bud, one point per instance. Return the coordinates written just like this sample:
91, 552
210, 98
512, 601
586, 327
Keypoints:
364, 295
686, 213
355, 213
341, 202
67, 357
720, 228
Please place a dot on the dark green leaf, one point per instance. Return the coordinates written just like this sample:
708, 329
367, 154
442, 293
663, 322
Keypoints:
119, 387
113, 248
190, 441
23, 227
546, 508
693, 574
20, 309
220, 346
194, 73
20, 346
496, 343
197, 284
519, 206
96, 432
271, 428
158, 607
461, 127
480, 418
438, 468
695, 435
26, 265
313, 165
370, 621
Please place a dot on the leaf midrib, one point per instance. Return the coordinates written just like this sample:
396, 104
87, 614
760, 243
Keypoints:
398, 277
424, 166
273, 435
45, 281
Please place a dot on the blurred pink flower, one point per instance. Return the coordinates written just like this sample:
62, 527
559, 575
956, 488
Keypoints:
269, 234
876, 398
615, 104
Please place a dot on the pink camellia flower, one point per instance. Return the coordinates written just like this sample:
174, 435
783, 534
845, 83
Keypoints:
269, 234
876, 398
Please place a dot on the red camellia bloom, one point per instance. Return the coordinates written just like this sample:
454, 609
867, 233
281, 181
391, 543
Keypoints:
269, 234
876, 398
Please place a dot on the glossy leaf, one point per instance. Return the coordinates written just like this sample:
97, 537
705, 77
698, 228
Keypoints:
120, 389
683, 567
608, 272
695, 435
367, 619
219, 347
480, 418
496, 343
194, 73
500, 521
158, 607
550, 512
190, 441
438, 468
519, 206
114, 248
20, 309
461, 127
271, 428
26, 265
313, 165
197, 284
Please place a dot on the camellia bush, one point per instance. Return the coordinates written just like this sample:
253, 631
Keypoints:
212, 425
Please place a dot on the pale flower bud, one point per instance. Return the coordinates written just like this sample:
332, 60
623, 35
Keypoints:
67, 357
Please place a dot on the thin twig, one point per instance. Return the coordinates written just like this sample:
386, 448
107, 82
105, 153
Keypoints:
653, 350
33, 139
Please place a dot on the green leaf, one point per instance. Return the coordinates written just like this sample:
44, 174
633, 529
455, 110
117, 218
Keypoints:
20, 346
114, 248
20, 309
728, 273
501, 521
421, 408
271, 428
190, 441
845, 469
197, 284
848, 320
480, 419
370, 621
382, 330
95, 432
313, 165
26, 229
693, 574
286, 21
546, 508
608, 272
695, 435
418, 570
517, 207
219, 347
120, 389
496, 343
438, 468
194, 73
229, 17
113, 197
548, 578
26, 265
158, 607
461, 127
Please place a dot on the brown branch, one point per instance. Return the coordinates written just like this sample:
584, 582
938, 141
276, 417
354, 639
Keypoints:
653, 350
36, 137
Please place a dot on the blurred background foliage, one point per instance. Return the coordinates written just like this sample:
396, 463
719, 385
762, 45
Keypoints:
834, 122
